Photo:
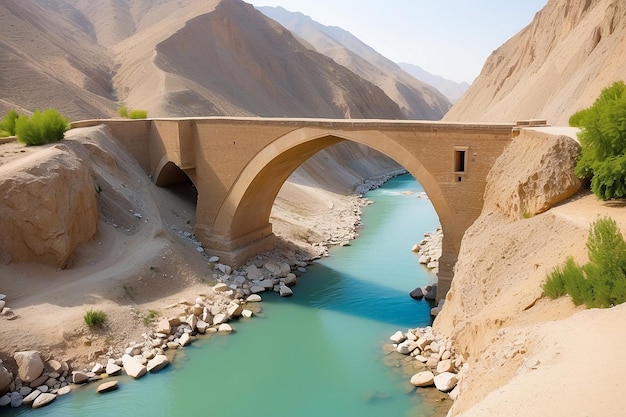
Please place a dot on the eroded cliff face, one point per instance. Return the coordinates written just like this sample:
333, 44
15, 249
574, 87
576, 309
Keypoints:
534, 174
505, 257
48, 207
554, 67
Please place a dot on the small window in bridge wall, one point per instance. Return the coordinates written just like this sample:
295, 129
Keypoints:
460, 161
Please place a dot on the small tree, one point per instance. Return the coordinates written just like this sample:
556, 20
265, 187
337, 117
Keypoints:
7, 125
603, 142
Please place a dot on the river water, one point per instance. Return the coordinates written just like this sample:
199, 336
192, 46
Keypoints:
318, 353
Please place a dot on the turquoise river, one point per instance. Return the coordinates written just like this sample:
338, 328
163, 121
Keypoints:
318, 353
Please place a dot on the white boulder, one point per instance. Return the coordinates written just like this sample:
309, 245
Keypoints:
254, 298
132, 367
423, 379
446, 381
43, 399
157, 363
185, 339
397, 337
285, 291
224, 328
113, 368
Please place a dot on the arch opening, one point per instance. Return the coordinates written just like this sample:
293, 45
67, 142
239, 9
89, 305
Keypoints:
176, 181
242, 228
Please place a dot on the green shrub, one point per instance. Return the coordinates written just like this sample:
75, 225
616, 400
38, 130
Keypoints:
41, 127
123, 112
132, 114
7, 125
138, 114
95, 318
603, 142
602, 281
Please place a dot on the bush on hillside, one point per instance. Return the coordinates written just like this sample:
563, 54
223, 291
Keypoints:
94, 318
138, 114
41, 127
123, 112
602, 281
7, 125
603, 143
132, 114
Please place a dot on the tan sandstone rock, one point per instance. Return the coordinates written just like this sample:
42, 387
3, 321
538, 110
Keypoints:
29, 364
543, 175
47, 206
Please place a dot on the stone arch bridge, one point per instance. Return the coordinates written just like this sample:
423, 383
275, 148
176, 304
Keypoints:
238, 166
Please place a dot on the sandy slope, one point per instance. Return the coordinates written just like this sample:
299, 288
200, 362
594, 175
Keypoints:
552, 68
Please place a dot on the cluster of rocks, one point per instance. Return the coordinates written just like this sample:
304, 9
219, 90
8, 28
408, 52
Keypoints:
5, 311
256, 277
38, 384
429, 249
436, 361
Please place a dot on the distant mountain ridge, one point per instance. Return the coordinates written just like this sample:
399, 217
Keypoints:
451, 89
417, 99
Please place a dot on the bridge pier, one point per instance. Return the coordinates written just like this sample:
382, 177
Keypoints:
236, 252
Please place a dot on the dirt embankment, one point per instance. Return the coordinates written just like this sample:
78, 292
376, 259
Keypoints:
526, 352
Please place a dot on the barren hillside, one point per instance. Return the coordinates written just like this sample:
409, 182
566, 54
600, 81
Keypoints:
554, 67
190, 58
417, 99
186, 58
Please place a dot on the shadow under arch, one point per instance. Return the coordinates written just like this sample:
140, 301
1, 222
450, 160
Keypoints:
242, 225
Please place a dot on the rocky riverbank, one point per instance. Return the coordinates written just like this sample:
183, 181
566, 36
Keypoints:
430, 363
36, 382
429, 249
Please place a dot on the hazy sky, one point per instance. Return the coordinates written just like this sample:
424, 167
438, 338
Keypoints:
451, 38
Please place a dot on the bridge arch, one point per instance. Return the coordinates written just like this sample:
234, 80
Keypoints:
249, 202
242, 228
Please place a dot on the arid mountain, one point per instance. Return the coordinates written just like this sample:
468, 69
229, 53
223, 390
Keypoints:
417, 99
49, 57
451, 89
186, 59
554, 67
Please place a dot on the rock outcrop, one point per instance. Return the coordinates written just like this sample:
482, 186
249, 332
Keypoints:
534, 172
47, 206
